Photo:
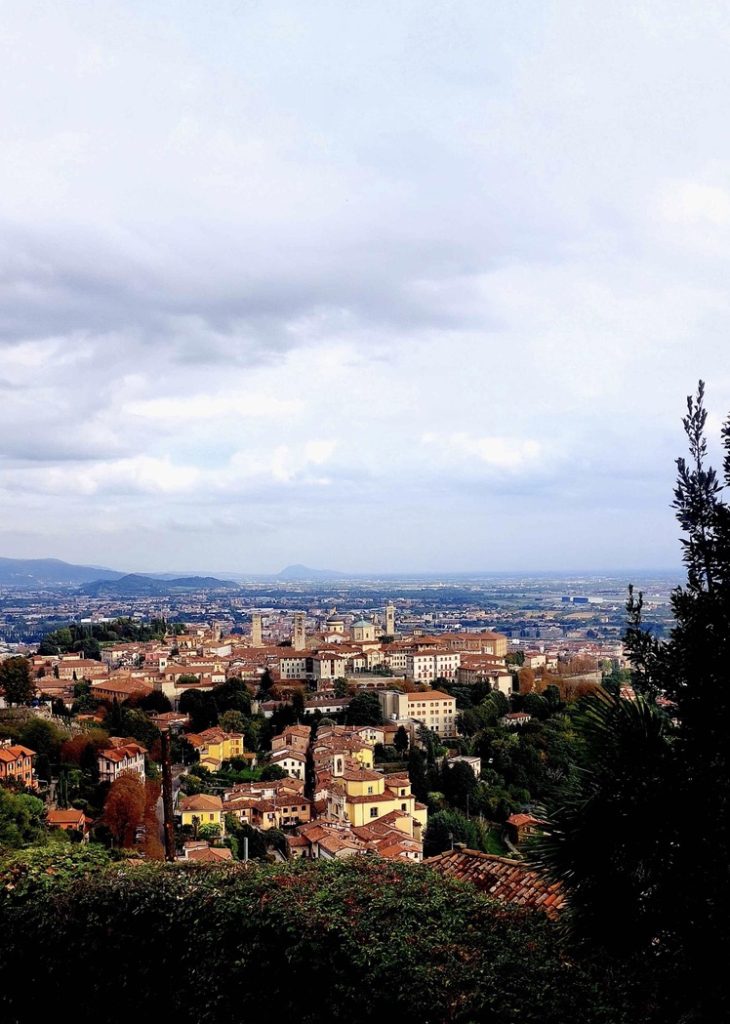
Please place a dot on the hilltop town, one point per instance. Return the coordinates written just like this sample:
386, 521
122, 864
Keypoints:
308, 735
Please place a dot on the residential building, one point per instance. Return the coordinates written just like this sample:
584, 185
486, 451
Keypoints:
427, 666
69, 820
362, 796
121, 756
432, 708
16, 765
215, 746
202, 809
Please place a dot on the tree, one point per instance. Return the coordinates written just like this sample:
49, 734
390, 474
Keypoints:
445, 828
536, 705
232, 695
653, 803
608, 840
155, 701
200, 707
401, 740
458, 783
45, 738
430, 742
237, 831
266, 681
417, 773
340, 687
232, 721
209, 831
124, 808
364, 709
15, 680
21, 819
527, 679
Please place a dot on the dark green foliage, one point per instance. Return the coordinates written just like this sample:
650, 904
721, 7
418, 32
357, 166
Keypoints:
15, 680
458, 783
610, 838
45, 738
316, 941
417, 773
401, 740
265, 683
237, 831
644, 839
156, 701
536, 705
87, 637
232, 695
364, 709
445, 829
200, 707
34, 872
127, 721
22, 819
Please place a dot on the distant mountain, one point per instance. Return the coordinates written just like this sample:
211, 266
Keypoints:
303, 572
135, 585
50, 572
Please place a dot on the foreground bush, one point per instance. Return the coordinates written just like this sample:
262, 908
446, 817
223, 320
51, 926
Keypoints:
354, 941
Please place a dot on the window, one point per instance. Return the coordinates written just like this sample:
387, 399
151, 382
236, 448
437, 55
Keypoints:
373, 812
370, 790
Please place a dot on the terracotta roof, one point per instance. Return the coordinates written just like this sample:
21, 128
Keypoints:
520, 820
201, 802
509, 881
72, 816
13, 753
211, 854
121, 752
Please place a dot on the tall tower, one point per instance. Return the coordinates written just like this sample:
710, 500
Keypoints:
257, 634
299, 639
390, 619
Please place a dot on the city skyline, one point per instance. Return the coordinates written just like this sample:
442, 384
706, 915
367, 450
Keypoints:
419, 288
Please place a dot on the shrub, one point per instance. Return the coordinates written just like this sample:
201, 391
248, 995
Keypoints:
358, 941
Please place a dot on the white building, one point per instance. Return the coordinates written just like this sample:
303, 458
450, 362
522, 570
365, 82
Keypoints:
122, 757
432, 708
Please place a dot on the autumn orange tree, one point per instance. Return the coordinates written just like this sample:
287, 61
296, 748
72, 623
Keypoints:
124, 808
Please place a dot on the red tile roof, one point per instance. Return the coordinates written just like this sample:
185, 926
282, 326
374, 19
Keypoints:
509, 881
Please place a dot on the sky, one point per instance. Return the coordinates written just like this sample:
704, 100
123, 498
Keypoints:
371, 286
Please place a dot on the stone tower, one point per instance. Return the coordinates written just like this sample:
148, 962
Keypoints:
257, 633
390, 619
299, 639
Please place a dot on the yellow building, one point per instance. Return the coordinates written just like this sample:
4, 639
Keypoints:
202, 809
216, 746
362, 796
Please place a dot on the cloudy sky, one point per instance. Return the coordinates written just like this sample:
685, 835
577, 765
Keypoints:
369, 285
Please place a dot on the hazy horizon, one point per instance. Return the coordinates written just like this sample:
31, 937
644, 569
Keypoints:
227, 571
353, 285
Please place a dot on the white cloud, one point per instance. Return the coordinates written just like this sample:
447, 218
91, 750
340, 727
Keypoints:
695, 203
281, 269
213, 406
501, 453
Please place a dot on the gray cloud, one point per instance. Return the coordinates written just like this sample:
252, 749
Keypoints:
309, 290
